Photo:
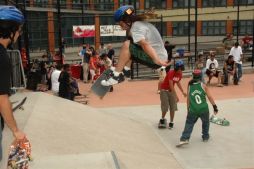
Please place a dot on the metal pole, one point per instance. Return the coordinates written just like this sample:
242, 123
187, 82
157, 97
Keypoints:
238, 13
189, 28
26, 35
196, 26
252, 40
59, 30
82, 13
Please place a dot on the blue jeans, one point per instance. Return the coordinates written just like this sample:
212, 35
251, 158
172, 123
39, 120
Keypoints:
190, 122
239, 71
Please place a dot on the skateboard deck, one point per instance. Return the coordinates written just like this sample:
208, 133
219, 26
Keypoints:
99, 89
19, 154
20, 105
219, 121
181, 144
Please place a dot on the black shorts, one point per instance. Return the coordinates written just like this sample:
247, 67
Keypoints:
212, 73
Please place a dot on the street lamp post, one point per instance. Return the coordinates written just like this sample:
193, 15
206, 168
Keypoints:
59, 30
196, 26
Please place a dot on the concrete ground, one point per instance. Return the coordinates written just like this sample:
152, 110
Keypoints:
66, 134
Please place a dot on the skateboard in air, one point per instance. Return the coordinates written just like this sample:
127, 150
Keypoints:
20, 105
19, 154
98, 88
219, 121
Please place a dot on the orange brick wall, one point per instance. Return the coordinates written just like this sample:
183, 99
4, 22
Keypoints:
97, 32
51, 35
230, 26
230, 2
169, 28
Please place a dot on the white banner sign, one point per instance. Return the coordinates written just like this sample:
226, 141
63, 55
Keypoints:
111, 30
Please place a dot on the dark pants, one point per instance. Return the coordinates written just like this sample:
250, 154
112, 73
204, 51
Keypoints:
226, 77
190, 122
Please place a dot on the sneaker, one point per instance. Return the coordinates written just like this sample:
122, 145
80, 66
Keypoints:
205, 139
171, 125
127, 73
162, 123
183, 142
113, 80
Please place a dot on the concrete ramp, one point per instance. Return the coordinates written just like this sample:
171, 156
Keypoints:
60, 129
103, 160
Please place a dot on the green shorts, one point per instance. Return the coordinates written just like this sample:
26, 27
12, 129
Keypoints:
138, 54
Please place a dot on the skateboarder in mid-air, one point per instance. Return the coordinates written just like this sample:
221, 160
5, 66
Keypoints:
144, 45
11, 21
197, 107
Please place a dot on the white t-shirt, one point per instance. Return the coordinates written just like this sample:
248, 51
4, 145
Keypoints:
145, 30
54, 80
212, 64
236, 52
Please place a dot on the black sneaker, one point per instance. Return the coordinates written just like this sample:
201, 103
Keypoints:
162, 123
113, 80
127, 73
205, 139
171, 125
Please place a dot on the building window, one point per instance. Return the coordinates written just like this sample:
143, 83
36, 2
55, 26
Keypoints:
245, 27
157, 4
183, 3
244, 2
181, 28
162, 30
38, 30
214, 3
213, 28
104, 5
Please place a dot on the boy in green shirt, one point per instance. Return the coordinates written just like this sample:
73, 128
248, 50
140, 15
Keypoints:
197, 107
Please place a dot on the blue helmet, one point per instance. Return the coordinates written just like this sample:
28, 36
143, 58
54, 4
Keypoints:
11, 13
179, 65
123, 11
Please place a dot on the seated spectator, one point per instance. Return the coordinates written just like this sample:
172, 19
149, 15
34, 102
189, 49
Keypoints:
74, 88
64, 82
212, 69
229, 69
54, 79
247, 42
201, 66
228, 42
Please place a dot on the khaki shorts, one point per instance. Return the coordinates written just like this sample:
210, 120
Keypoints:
168, 101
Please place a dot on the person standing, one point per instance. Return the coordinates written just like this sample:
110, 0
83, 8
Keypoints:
85, 54
236, 51
197, 107
168, 94
54, 79
11, 21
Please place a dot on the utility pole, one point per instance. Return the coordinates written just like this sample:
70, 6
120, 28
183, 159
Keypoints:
196, 26
189, 25
59, 30
26, 35
82, 21
238, 23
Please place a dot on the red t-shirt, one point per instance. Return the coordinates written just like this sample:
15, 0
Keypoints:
171, 75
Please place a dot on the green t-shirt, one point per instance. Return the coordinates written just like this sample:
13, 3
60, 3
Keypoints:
197, 99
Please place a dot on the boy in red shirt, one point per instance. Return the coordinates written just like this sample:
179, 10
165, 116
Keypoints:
168, 94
